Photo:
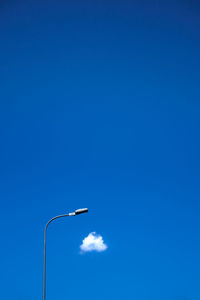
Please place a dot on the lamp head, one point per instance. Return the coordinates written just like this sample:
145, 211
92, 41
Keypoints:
81, 211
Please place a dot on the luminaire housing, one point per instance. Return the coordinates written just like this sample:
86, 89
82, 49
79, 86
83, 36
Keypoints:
81, 211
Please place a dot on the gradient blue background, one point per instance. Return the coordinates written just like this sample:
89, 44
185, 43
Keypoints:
100, 109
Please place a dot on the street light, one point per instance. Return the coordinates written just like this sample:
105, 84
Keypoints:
75, 213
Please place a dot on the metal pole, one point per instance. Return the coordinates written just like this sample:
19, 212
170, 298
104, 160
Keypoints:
75, 213
44, 259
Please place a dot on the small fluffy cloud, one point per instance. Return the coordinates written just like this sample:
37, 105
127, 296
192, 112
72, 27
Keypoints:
93, 242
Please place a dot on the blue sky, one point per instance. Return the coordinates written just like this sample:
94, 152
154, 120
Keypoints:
100, 109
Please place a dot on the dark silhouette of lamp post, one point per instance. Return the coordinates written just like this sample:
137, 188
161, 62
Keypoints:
75, 213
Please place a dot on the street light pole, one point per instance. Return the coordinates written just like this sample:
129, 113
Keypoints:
76, 212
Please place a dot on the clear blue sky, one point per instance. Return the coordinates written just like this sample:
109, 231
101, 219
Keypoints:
100, 109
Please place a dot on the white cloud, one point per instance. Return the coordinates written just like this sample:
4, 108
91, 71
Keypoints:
93, 242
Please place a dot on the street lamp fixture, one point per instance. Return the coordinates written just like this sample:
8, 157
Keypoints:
75, 213
81, 211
